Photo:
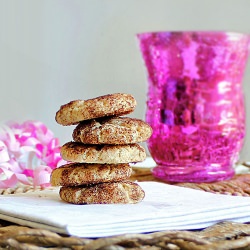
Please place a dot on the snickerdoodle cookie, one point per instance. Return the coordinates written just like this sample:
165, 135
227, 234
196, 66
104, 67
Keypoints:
104, 154
116, 130
117, 104
75, 174
103, 193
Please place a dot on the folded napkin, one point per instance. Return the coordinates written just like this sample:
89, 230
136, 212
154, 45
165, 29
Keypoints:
165, 207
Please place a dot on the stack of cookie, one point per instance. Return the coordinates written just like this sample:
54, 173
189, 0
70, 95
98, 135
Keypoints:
104, 144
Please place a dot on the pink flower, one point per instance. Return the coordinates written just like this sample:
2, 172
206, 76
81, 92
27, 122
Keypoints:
28, 154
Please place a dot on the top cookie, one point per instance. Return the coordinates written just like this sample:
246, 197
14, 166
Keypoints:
117, 104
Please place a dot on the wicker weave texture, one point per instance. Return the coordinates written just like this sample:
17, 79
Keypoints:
225, 235
239, 185
222, 236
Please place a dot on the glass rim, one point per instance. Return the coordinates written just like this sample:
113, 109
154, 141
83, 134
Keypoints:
232, 33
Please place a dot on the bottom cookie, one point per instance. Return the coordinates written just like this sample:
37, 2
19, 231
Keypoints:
103, 193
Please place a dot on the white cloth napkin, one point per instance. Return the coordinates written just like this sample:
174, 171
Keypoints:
165, 207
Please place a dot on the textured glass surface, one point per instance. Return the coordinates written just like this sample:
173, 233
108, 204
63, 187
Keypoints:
195, 102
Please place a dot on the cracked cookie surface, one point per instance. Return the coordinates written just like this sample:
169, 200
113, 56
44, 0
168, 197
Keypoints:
103, 193
117, 104
116, 130
74, 174
104, 154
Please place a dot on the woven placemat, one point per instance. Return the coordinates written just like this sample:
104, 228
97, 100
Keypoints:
21, 189
221, 236
224, 235
239, 185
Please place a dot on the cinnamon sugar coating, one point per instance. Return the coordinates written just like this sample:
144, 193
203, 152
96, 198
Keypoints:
103, 193
117, 104
116, 130
103, 154
104, 145
75, 174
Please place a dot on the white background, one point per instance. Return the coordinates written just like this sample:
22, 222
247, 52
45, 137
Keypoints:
55, 51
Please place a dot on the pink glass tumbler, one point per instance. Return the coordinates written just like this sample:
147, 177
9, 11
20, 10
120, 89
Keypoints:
195, 103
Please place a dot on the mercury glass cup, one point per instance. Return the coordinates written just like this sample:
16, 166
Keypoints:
195, 103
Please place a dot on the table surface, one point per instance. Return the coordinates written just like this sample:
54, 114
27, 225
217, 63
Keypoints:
224, 235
